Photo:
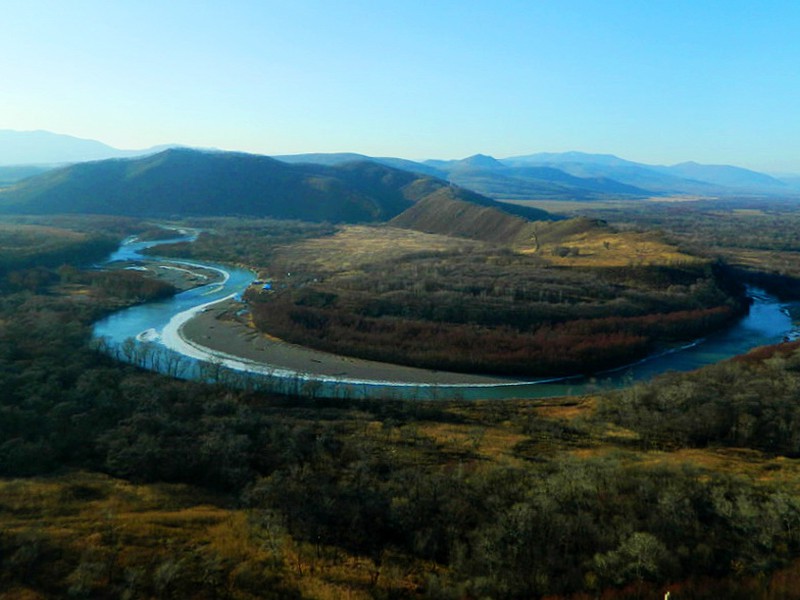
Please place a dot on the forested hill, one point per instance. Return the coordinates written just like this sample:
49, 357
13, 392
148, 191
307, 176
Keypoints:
183, 182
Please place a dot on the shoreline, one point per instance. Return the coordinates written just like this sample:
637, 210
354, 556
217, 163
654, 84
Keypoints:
205, 335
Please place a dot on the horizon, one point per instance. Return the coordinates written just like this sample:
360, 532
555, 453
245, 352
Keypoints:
164, 147
656, 84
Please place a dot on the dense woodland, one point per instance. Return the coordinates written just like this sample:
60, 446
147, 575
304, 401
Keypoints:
499, 312
118, 483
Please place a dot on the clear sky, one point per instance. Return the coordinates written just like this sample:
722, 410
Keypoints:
657, 81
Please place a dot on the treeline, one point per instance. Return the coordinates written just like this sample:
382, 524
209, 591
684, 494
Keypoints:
755, 223
120, 287
760, 236
582, 346
497, 312
325, 480
242, 241
29, 247
749, 402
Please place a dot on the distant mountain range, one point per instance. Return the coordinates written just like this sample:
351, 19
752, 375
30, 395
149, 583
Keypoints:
46, 148
579, 176
551, 176
185, 182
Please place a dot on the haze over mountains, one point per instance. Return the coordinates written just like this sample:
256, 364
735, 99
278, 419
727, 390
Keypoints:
578, 176
551, 176
47, 148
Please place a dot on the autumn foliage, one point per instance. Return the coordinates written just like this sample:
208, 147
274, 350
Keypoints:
469, 313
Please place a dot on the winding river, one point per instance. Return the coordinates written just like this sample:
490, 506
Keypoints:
148, 335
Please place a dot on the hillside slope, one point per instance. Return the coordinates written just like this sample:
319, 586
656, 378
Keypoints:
444, 213
183, 182
498, 179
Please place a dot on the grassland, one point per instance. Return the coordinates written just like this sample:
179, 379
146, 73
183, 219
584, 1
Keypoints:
759, 236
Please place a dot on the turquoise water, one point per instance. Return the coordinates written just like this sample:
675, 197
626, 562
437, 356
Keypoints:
768, 322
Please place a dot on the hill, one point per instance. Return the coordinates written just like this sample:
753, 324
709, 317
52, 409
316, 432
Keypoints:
183, 182
443, 213
576, 176
13, 174
727, 176
498, 179
339, 158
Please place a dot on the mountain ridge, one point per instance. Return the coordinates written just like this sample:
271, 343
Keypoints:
187, 182
42, 147
573, 175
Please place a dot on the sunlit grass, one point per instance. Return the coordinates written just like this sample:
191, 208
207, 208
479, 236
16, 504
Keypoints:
356, 246
603, 248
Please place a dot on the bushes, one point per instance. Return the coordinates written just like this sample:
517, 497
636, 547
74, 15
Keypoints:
742, 403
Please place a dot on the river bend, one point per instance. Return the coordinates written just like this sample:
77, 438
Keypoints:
149, 335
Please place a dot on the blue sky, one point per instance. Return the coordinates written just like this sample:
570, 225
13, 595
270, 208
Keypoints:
660, 81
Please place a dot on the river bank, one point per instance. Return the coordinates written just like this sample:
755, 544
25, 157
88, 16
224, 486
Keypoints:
217, 329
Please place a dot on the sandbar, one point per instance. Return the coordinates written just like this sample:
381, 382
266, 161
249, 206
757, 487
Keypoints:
217, 330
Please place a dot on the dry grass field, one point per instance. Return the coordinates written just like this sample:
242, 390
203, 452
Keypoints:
355, 246
599, 246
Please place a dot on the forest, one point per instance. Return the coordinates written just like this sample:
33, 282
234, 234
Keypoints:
120, 483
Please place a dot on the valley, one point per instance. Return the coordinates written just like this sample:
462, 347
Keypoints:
119, 481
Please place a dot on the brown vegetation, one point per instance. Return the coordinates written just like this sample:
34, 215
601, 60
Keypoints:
444, 214
125, 484
445, 303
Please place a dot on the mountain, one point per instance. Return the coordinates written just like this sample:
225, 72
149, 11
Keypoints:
184, 182
684, 178
12, 174
503, 179
339, 158
486, 175
725, 175
572, 157
793, 181
495, 178
46, 148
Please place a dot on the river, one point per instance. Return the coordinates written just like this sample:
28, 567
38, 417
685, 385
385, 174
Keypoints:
146, 335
